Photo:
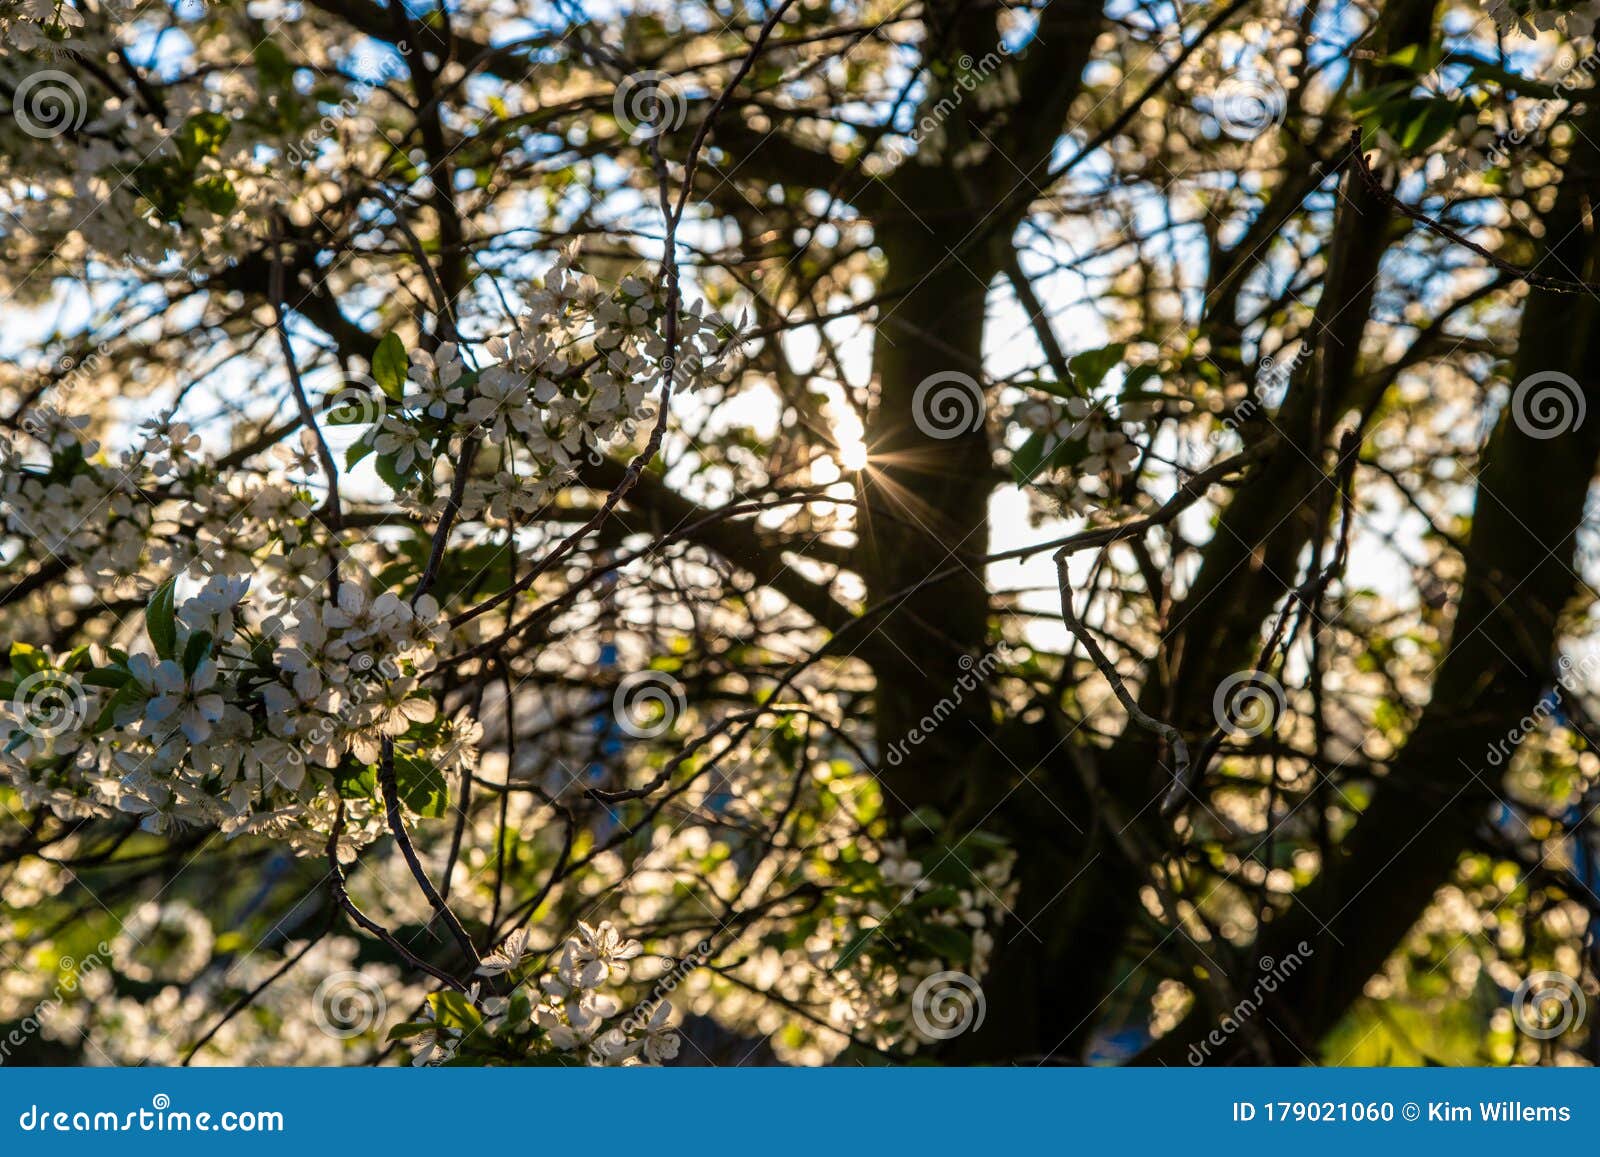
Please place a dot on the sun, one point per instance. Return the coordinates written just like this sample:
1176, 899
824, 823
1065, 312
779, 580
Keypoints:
851, 453
849, 444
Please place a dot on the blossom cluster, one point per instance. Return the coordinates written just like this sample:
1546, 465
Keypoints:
1109, 449
269, 671
924, 916
570, 381
276, 671
571, 1015
227, 717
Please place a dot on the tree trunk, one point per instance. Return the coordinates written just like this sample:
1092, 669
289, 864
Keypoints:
1520, 575
926, 495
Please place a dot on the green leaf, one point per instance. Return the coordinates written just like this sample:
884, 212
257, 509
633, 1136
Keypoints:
217, 194
1091, 366
411, 1028
356, 451
1038, 456
356, 780
951, 944
1526, 86
273, 64
988, 841
129, 694
389, 471
420, 785
454, 1010
1028, 459
160, 622
26, 659
105, 677
945, 896
1419, 58
201, 136
1374, 100
389, 366
1136, 378
196, 651
348, 407
853, 949
1430, 122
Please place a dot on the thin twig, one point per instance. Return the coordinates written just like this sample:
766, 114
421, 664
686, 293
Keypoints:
1433, 225
1180, 749
391, 805
341, 896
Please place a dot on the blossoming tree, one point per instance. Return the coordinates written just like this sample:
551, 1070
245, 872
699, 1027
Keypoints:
707, 533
